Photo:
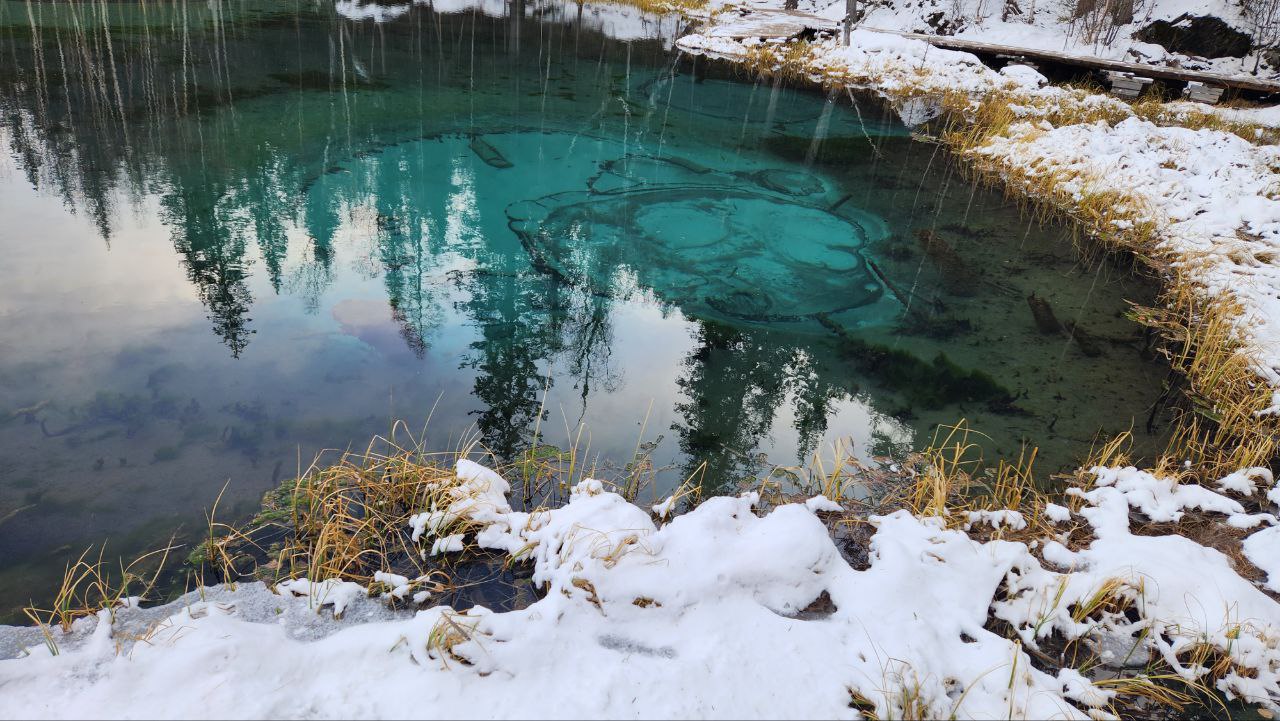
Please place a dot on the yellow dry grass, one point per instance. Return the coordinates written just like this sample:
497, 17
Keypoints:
660, 7
89, 586
955, 479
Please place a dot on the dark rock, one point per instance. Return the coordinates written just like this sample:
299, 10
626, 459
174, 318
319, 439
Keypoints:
1272, 57
1206, 36
942, 25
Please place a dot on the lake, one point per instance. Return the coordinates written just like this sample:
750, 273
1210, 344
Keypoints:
236, 234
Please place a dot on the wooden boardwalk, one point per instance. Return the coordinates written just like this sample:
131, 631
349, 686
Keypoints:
773, 24
1237, 82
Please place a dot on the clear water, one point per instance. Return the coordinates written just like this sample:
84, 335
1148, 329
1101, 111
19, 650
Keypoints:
233, 236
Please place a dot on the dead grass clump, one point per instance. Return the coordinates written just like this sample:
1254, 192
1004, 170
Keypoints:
1113, 596
792, 60
1111, 453
1137, 693
451, 630
662, 7
89, 586
992, 112
840, 476
1209, 118
954, 482
350, 518
1221, 427
346, 519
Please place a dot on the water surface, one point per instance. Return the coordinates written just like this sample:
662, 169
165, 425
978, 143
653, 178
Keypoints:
234, 235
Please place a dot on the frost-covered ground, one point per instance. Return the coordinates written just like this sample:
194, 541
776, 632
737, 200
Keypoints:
709, 614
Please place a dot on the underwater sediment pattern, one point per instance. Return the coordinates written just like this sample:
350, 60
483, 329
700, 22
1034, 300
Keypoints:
761, 245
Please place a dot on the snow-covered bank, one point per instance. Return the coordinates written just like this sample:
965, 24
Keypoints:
619, 21
720, 612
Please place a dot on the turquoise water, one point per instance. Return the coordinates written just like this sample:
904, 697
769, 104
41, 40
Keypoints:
235, 235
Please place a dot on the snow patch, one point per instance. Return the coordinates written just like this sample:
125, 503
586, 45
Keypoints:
822, 503
329, 592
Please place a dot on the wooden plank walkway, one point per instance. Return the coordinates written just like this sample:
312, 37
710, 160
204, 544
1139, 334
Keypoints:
771, 24
1161, 72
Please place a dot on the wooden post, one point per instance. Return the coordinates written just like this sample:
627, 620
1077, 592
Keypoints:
850, 7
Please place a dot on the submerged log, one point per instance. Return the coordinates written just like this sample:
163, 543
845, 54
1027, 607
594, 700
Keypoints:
918, 319
1048, 324
788, 182
965, 230
489, 154
44, 428
1088, 344
28, 414
957, 278
902, 297
922, 316
690, 165
1046, 321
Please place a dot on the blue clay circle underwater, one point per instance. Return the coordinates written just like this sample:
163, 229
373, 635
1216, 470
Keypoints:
754, 245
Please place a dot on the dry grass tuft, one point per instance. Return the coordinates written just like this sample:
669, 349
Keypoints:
1222, 428
955, 480
792, 60
662, 7
451, 629
1160, 113
346, 518
349, 518
88, 586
